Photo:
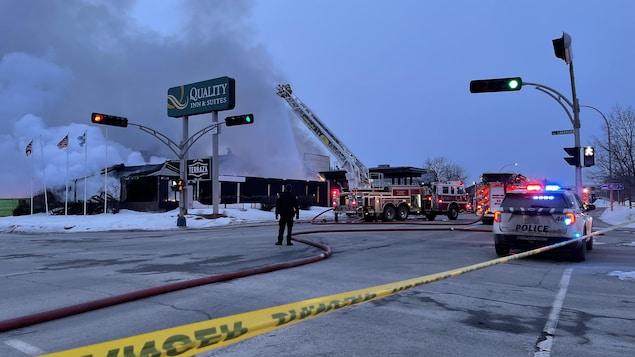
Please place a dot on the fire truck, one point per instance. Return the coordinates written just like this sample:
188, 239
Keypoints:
366, 195
357, 173
491, 190
427, 199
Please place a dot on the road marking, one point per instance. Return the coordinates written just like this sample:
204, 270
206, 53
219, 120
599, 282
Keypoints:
545, 341
24, 347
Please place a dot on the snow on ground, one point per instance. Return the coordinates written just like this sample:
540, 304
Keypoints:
198, 217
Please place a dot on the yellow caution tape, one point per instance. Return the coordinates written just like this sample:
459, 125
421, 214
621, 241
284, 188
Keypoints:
191, 339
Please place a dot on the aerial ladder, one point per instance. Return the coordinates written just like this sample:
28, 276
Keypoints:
357, 173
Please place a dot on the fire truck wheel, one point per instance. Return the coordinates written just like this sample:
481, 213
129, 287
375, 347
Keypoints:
453, 212
402, 213
389, 213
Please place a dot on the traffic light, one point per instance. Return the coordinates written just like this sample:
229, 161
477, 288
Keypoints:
179, 185
239, 119
589, 156
496, 85
335, 196
562, 48
574, 156
106, 119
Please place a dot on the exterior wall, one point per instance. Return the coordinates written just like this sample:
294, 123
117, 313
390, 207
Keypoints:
153, 193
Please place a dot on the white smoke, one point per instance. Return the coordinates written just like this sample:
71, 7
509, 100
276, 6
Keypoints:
72, 58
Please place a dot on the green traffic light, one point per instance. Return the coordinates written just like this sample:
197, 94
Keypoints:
496, 85
248, 119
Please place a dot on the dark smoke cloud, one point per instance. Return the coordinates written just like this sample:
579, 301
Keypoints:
68, 58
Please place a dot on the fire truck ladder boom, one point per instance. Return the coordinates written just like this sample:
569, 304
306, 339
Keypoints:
357, 173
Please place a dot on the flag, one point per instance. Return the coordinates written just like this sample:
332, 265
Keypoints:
63, 143
29, 148
82, 139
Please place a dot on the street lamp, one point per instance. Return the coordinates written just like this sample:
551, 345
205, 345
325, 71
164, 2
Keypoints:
608, 132
504, 166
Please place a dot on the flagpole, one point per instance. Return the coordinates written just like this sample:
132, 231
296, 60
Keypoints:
106, 176
85, 168
46, 201
66, 193
32, 171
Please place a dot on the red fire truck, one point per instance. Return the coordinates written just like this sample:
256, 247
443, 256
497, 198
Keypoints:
399, 202
491, 190
367, 195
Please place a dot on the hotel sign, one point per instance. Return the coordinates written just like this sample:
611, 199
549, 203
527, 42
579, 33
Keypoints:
202, 97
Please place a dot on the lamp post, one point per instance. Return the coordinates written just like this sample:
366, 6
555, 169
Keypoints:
608, 134
504, 166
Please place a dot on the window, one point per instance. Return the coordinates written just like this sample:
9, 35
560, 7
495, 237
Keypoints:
536, 200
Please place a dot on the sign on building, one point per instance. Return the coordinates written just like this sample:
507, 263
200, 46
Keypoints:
199, 169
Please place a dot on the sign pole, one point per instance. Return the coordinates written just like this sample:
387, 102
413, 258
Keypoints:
181, 221
215, 183
200, 98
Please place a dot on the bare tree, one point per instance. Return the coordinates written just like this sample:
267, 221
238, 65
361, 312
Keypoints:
617, 161
444, 170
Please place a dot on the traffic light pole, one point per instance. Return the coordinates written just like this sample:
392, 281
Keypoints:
181, 150
574, 118
576, 128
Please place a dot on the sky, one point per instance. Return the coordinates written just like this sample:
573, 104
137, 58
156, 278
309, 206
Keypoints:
239, 214
389, 79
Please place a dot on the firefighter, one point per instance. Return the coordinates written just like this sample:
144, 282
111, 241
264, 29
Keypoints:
286, 207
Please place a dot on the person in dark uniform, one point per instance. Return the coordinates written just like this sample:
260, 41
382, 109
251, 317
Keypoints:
286, 207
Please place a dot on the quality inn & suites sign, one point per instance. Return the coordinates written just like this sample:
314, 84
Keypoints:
202, 97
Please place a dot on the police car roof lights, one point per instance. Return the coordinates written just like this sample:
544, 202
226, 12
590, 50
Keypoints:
536, 187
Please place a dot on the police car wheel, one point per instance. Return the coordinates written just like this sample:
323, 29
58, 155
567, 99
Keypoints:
589, 244
579, 253
501, 250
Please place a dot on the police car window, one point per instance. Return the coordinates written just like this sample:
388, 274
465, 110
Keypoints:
572, 200
535, 200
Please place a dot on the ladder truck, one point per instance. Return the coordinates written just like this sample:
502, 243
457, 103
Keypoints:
366, 196
357, 173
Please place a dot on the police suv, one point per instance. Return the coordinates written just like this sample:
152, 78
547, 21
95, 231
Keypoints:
538, 216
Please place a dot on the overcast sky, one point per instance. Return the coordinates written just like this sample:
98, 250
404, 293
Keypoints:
390, 79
